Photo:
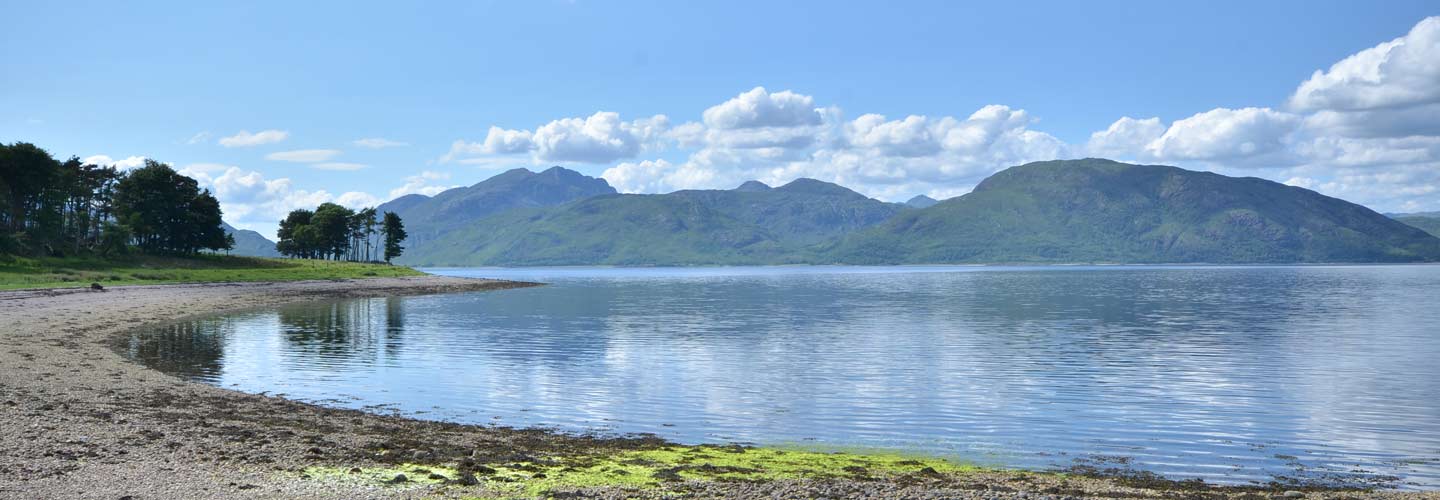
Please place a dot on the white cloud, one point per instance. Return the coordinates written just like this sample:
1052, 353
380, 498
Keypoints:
502, 141
657, 176
356, 199
1125, 139
304, 155
198, 138
106, 161
759, 108
1402, 72
378, 143
600, 138
911, 137
250, 200
244, 138
424, 183
891, 159
340, 166
1225, 134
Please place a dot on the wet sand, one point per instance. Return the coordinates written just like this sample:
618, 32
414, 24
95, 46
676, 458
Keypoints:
78, 420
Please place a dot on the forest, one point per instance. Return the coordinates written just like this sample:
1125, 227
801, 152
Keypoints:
56, 208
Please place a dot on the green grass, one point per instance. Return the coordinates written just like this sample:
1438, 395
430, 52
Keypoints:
23, 272
641, 469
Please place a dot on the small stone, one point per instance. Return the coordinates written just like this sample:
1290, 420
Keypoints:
467, 479
399, 478
1293, 494
437, 477
355, 470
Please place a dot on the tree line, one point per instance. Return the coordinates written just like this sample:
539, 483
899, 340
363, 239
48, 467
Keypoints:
335, 232
57, 208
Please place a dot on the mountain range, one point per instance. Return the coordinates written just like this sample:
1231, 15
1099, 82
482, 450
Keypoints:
250, 243
1428, 221
1068, 211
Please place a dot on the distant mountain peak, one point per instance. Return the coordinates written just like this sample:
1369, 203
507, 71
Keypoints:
921, 201
753, 186
807, 185
508, 190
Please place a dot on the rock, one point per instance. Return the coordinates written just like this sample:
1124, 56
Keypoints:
437, 477
355, 470
97, 287
1293, 494
467, 479
668, 475
399, 478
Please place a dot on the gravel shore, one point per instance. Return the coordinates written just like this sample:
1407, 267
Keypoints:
77, 420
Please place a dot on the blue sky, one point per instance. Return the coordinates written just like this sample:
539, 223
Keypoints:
1208, 85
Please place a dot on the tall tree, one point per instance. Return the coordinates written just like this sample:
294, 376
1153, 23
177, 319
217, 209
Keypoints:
296, 238
27, 172
331, 224
167, 212
394, 234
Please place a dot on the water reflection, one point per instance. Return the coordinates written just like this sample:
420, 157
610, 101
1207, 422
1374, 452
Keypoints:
1230, 374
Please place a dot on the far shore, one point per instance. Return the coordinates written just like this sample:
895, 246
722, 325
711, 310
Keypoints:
78, 420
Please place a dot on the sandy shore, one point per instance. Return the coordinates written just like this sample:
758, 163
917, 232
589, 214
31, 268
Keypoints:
77, 420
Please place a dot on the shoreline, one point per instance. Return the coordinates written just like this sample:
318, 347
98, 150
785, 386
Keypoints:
81, 421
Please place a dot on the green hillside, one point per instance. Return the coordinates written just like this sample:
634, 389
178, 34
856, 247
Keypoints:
1429, 222
1104, 211
250, 243
748, 225
427, 218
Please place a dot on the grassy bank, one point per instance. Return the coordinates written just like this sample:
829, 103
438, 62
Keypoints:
530, 477
23, 272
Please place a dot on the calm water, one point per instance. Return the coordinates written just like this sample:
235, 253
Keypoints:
1228, 374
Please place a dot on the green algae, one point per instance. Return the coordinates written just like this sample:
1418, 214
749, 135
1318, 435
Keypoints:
642, 469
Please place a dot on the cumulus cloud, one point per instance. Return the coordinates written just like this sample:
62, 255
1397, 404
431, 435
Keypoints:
106, 161
891, 159
1125, 139
502, 141
245, 139
251, 200
1402, 72
378, 143
657, 176
760, 108
599, 138
911, 137
304, 155
1224, 133
425, 183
